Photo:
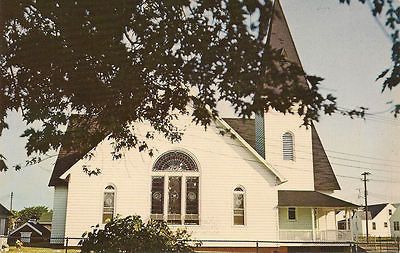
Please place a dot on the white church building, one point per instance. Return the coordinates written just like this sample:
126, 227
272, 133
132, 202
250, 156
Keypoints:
266, 179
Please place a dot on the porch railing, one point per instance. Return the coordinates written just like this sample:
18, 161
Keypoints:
295, 235
320, 236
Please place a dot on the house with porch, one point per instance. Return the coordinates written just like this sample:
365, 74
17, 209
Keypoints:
262, 179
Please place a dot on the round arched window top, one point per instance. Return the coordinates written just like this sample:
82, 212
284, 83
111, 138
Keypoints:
110, 188
288, 146
239, 189
175, 160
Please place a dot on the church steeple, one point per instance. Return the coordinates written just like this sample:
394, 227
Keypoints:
280, 38
309, 168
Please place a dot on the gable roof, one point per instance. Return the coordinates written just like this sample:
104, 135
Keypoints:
4, 211
376, 209
324, 177
38, 228
67, 157
79, 126
310, 199
279, 37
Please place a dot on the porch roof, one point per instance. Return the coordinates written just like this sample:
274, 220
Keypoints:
290, 198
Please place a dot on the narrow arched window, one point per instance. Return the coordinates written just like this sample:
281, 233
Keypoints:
109, 203
238, 206
288, 146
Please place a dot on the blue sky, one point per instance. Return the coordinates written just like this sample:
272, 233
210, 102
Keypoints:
345, 45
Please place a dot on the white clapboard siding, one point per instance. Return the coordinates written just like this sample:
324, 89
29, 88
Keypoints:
303, 219
299, 171
395, 218
59, 211
224, 164
382, 217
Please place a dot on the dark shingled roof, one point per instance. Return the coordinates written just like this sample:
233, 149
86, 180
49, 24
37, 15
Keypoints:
4, 211
45, 232
279, 36
376, 209
245, 128
310, 199
324, 177
79, 127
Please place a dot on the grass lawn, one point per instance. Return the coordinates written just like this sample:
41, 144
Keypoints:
41, 250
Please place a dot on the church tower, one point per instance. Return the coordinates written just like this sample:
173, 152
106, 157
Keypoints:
295, 151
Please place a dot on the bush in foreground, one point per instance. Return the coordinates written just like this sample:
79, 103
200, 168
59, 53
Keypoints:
132, 235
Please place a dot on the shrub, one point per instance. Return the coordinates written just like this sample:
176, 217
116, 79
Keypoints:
132, 235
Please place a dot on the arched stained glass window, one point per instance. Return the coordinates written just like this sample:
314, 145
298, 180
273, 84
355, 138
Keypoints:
288, 146
175, 189
238, 206
109, 203
175, 160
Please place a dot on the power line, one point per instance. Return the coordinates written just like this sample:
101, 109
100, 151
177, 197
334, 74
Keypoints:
373, 180
362, 156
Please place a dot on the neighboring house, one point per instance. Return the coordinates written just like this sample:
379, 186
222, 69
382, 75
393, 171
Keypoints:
378, 220
29, 232
4, 216
394, 222
264, 179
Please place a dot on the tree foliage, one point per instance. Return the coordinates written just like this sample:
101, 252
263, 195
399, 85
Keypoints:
131, 235
127, 61
28, 213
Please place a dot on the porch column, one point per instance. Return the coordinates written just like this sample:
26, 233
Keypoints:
313, 224
345, 217
336, 225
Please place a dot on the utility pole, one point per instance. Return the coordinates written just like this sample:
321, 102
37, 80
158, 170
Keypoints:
365, 174
11, 201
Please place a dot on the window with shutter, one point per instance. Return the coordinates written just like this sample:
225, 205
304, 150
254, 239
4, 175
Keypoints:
288, 146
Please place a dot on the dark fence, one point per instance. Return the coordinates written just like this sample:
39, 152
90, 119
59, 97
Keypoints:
70, 245
380, 244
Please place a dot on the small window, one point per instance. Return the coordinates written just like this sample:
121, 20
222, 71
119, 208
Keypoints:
390, 211
109, 204
292, 213
238, 206
26, 236
373, 225
287, 146
396, 226
385, 224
